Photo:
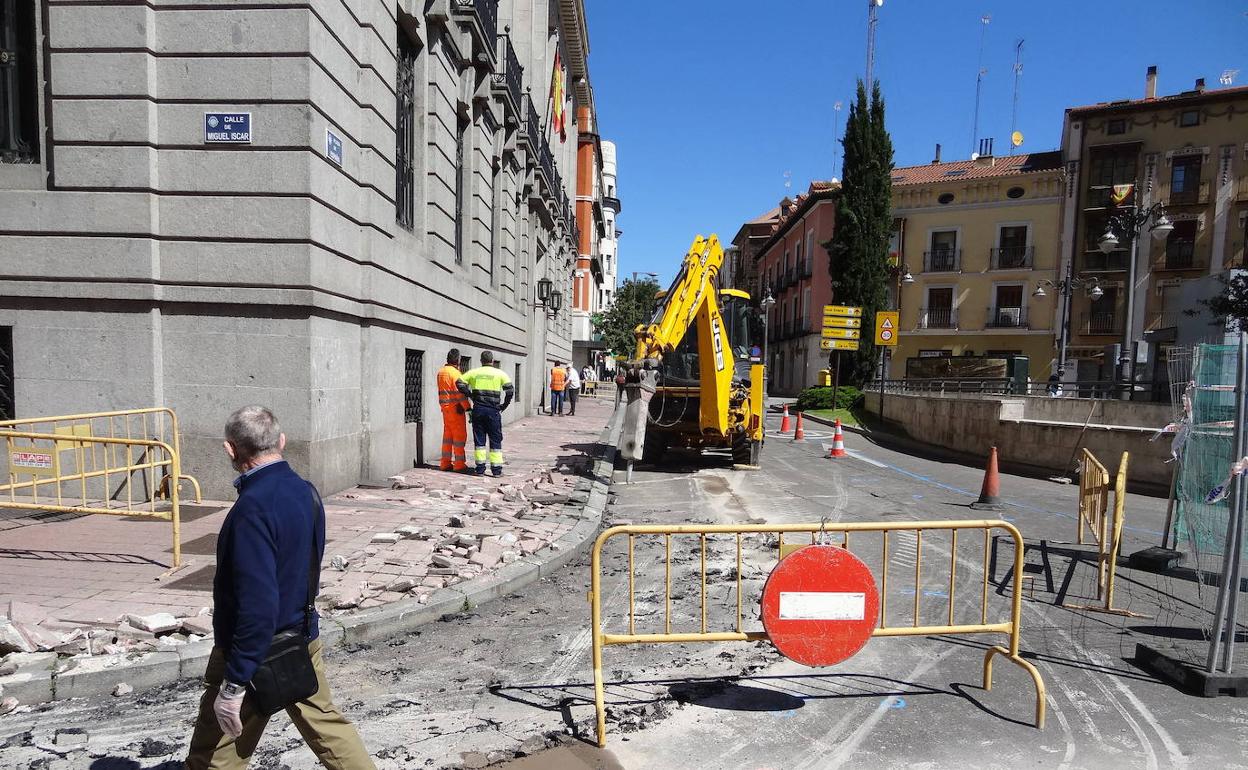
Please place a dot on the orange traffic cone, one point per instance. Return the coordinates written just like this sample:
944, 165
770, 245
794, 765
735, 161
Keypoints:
990, 492
838, 442
784, 424
799, 434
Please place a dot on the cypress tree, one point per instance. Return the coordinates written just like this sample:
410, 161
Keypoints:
858, 251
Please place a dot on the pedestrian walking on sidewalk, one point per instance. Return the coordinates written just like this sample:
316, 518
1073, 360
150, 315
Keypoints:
454, 407
269, 553
491, 392
620, 379
558, 381
572, 389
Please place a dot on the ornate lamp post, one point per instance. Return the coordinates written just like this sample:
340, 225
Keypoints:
1066, 289
1128, 223
765, 305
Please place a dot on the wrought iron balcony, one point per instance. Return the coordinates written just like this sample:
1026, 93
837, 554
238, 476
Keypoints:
942, 261
1162, 319
485, 14
790, 276
1180, 255
1006, 318
1195, 195
1012, 258
510, 81
807, 268
1101, 323
1095, 260
938, 318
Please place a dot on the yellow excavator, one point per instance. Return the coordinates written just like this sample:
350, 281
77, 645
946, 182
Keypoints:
700, 365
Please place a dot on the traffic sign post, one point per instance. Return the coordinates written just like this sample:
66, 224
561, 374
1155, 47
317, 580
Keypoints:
820, 605
829, 333
886, 322
838, 344
841, 324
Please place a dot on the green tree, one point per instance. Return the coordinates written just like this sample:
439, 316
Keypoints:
858, 251
1231, 306
634, 304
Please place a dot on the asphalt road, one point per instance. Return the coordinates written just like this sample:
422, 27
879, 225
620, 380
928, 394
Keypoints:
515, 675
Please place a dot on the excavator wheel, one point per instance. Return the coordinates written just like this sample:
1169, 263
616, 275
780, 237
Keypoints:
745, 451
654, 449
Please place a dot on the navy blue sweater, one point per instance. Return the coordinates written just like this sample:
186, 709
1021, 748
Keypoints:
264, 553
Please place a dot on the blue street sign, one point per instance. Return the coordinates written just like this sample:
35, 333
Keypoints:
227, 128
333, 147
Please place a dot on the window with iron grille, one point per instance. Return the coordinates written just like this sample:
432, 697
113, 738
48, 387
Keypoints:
413, 385
405, 135
19, 94
461, 188
8, 411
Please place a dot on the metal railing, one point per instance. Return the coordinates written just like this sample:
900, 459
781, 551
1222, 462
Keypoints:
1095, 260
942, 261
1180, 255
511, 79
1100, 323
884, 543
486, 14
1163, 319
1006, 318
938, 318
1104, 523
807, 268
1158, 392
532, 124
1192, 196
1012, 257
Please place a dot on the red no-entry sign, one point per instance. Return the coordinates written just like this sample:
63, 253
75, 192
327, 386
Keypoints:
820, 605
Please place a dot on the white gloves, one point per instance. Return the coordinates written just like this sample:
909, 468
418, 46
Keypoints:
227, 709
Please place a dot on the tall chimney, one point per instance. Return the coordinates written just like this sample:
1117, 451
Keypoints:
937, 158
1200, 85
1150, 83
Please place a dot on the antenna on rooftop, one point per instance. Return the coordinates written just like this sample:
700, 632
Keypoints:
979, 77
1227, 77
836, 133
1018, 74
873, 19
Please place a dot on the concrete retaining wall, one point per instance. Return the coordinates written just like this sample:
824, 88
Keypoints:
975, 425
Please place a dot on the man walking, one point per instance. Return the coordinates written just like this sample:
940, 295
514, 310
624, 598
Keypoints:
558, 379
491, 392
454, 407
572, 389
270, 542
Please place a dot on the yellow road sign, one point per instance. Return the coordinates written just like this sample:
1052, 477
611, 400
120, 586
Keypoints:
848, 310
838, 344
843, 334
841, 322
886, 323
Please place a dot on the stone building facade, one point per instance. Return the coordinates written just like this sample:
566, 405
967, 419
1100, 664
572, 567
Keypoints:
298, 204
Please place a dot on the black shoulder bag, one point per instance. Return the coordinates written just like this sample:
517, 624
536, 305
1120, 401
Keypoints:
286, 675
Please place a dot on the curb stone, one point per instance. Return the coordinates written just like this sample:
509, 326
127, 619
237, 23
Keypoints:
585, 505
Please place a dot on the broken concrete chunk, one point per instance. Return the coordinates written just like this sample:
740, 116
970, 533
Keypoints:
401, 585
7, 705
122, 689
387, 538
461, 521
443, 571
157, 623
439, 560
71, 738
12, 639
26, 613
200, 625
410, 531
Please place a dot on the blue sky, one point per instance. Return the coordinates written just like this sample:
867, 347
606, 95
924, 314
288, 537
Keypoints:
710, 102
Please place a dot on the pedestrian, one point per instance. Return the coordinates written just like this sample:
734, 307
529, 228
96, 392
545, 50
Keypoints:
587, 374
1055, 386
589, 386
620, 379
269, 553
454, 407
491, 392
572, 389
558, 380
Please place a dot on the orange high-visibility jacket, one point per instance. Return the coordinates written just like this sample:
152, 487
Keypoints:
557, 378
449, 396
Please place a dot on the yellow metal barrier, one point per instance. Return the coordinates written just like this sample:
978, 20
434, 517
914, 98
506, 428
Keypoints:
1105, 524
74, 473
1009, 627
158, 423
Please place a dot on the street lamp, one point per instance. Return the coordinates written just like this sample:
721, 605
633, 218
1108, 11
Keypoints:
1127, 223
1066, 289
765, 304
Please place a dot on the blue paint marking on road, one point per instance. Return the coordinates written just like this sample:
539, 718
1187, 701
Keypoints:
1023, 506
898, 702
926, 592
917, 497
787, 714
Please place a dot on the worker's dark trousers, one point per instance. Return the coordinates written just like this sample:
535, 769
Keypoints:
570, 394
487, 425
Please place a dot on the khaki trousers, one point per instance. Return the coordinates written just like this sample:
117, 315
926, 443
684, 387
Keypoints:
327, 732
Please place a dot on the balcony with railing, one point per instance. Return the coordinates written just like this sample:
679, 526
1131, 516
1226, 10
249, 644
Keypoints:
510, 82
1097, 261
1006, 318
807, 268
1162, 319
1100, 323
1180, 255
484, 14
1193, 195
1237, 257
532, 130
801, 327
790, 276
942, 261
1012, 258
938, 318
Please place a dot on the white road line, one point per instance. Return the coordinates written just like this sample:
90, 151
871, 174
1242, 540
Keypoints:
854, 453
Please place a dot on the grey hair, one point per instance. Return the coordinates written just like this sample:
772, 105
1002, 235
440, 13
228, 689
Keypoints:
253, 430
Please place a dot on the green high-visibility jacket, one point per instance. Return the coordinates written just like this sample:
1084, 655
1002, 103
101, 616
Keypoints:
487, 386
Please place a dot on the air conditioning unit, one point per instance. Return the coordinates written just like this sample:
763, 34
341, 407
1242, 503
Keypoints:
1009, 316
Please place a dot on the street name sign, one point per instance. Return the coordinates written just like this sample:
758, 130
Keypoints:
886, 322
841, 323
227, 128
845, 310
838, 344
333, 148
843, 334
820, 605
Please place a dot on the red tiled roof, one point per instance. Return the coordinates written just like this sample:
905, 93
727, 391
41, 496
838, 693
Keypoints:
1006, 165
1181, 98
763, 219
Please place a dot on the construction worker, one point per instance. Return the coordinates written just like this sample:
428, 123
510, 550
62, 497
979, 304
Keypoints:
558, 379
491, 392
455, 407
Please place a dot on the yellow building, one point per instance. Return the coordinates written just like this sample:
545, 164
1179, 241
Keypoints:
977, 236
1188, 152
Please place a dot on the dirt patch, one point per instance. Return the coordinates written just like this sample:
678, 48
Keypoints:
571, 756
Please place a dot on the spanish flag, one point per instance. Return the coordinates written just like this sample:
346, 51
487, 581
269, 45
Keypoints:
556, 98
1121, 193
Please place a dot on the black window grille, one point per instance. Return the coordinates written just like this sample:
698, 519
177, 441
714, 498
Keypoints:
19, 95
8, 410
515, 383
413, 385
461, 185
405, 136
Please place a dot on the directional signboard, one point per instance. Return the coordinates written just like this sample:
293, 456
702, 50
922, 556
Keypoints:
844, 310
840, 334
838, 344
886, 322
841, 323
